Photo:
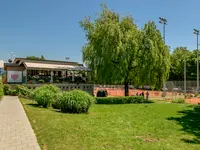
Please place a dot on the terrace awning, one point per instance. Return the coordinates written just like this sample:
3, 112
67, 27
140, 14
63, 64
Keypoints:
46, 66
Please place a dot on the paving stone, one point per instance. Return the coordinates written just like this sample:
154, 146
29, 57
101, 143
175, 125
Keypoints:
15, 128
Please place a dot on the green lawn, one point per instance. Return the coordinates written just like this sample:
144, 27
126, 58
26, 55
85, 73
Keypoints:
156, 126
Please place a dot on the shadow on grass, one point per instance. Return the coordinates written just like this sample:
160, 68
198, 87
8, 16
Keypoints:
56, 110
33, 105
149, 101
190, 122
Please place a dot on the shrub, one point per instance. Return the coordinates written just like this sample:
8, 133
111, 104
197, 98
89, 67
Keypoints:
1, 90
120, 100
41, 81
102, 93
24, 91
13, 92
55, 102
179, 100
75, 101
44, 95
6, 89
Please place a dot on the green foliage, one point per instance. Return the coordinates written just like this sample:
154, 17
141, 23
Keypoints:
157, 126
56, 101
44, 95
35, 58
102, 93
177, 63
41, 81
13, 92
75, 101
1, 90
178, 100
6, 89
24, 91
120, 100
118, 52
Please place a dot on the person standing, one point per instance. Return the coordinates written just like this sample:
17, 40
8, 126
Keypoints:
147, 95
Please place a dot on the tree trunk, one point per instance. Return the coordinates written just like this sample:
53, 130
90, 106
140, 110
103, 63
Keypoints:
126, 89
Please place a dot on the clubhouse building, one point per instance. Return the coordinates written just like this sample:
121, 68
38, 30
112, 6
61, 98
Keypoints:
33, 72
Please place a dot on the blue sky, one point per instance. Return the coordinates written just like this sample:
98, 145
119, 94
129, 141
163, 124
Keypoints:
51, 28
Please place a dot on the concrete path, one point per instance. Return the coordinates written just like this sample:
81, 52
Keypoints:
15, 130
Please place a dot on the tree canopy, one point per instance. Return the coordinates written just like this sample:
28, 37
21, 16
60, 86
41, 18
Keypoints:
35, 57
177, 64
120, 53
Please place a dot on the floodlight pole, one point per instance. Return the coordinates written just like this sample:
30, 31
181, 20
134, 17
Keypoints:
197, 34
164, 22
185, 72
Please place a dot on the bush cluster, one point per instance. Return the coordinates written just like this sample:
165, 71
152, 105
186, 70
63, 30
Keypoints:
24, 91
45, 95
102, 93
75, 101
6, 89
1, 90
179, 100
120, 100
15, 90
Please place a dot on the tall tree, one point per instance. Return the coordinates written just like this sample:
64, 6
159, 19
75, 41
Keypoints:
119, 53
179, 55
192, 63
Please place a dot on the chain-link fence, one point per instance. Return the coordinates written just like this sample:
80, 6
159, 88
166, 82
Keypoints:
191, 86
171, 86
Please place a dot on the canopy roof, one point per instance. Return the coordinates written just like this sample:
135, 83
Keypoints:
47, 66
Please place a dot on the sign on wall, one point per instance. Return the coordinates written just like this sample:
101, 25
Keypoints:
14, 76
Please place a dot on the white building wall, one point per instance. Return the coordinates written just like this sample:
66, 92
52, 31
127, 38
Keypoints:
1, 63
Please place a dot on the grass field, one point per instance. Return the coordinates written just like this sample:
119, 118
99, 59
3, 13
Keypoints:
155, 126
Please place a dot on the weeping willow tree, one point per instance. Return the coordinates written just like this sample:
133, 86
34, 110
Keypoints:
118, 53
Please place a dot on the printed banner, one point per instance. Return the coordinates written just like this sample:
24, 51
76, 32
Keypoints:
14, 76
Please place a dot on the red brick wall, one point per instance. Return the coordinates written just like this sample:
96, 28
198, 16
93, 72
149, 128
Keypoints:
193, 100
120, 92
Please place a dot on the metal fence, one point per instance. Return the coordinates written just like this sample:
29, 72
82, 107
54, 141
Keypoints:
171, 86
191, 86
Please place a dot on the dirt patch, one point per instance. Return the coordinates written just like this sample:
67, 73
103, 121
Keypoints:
147, 139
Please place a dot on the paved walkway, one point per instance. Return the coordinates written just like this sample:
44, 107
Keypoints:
15, 130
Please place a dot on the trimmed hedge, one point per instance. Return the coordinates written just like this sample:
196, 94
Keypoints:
6, 89
1, 90
120, 100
